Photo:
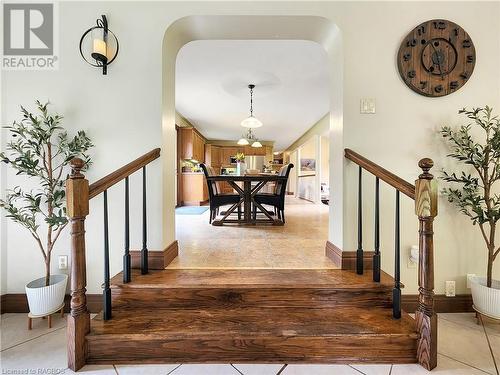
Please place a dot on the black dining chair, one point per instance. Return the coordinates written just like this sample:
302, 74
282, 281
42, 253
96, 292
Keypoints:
217, 199
276, 199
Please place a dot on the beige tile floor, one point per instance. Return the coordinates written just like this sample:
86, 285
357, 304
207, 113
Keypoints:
462, 347
300, 243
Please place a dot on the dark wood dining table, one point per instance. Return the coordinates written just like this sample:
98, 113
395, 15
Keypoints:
252, 184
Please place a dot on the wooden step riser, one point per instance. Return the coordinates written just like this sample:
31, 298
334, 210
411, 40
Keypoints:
155, 298
342, 349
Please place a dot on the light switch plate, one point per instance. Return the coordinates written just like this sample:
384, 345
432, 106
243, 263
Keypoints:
367, 106
63, 262
450, 288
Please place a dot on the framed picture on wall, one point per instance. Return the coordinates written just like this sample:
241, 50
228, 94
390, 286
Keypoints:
308, 165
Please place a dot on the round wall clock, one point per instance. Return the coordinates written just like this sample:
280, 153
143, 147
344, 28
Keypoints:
436, 58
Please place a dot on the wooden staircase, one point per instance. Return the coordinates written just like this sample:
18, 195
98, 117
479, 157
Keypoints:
245, 316
283, 316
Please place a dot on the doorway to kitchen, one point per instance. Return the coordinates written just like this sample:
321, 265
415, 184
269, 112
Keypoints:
283, 86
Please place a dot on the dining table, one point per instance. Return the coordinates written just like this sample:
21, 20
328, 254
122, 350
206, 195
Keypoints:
247, 186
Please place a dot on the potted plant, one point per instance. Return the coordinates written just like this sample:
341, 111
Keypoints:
240, 159
475, 192
41, 149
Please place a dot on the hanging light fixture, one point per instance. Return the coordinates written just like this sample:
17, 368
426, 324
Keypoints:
243, 141
252, 121
249, 139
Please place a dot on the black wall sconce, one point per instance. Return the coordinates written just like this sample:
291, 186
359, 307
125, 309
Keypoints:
99, 45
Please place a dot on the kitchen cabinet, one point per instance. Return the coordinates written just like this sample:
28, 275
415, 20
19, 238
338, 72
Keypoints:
227, 153
213, 156
255, 151
192, 145
194, 189
269, 154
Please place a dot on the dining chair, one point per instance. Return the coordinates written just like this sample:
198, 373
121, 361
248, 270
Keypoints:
277, 198
215, 198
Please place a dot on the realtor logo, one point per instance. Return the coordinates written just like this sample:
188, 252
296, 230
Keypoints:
28, 36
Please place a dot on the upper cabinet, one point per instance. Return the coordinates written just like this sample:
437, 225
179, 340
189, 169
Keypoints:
255, 151
192, 145
227, 153
213, 155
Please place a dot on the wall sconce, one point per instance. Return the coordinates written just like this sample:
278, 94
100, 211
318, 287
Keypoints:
99, 45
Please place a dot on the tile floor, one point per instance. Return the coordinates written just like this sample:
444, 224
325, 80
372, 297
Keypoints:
462, 347
300, 243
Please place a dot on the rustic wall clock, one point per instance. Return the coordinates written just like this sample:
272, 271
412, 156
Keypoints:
436, 58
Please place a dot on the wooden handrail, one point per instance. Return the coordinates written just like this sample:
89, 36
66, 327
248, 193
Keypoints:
397, 182
106, 182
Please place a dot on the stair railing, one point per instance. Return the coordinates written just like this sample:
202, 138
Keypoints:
78, 195
424, 193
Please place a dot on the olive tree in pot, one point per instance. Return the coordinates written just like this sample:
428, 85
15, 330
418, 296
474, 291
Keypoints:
476, 193
41, 150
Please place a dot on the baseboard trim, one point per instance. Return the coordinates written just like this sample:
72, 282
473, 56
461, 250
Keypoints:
461, 303
346, 260
157, 260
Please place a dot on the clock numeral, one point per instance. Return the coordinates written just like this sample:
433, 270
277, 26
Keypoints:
453, 85
466, 43
470, 58
464, 75
406, 56
421, 30
412, 74
440, 25
411, 43
438, 88
423, 85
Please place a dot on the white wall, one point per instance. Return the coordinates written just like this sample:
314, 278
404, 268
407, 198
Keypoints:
123, 114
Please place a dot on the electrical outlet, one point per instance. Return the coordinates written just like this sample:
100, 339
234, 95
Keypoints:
450, 288
63, 262
469, 276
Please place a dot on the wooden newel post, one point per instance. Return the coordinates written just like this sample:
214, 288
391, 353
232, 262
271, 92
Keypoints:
77, 204
426, 318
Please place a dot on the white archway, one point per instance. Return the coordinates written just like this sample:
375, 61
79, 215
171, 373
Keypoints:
312, 28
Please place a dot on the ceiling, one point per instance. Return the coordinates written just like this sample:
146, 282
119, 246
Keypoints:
291, 87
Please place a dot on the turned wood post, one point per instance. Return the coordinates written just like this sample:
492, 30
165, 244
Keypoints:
77, 204
426, 318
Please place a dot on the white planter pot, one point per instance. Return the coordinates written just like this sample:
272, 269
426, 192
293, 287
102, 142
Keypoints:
44, 300
486, 300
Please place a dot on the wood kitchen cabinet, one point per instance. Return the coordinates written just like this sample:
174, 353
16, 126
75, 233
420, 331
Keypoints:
213, 156
227, 153
194, 189
192, 145
255, 151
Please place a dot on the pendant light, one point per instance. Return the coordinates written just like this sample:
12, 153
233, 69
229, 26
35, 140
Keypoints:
249, 139
243, 141
252, 121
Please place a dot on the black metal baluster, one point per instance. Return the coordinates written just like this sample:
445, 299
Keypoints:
106, 293
376, 256
126, 256
144, 251
359, 252
396, 292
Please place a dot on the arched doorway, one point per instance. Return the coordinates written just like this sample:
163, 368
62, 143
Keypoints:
316, 29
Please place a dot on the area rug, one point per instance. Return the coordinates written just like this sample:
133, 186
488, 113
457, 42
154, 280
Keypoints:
191, 210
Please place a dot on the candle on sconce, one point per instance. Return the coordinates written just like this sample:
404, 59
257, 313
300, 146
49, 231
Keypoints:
99, 49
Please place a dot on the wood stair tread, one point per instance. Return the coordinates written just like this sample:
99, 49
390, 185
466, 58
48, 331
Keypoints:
252, 279
254, 322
